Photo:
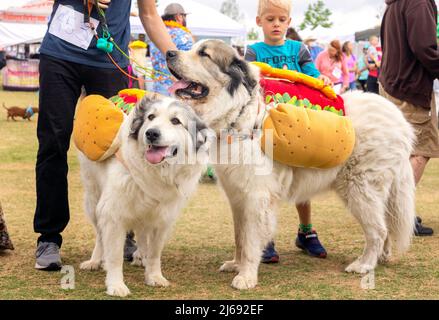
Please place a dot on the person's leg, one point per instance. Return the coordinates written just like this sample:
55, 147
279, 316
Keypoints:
353, 86
307, 238
304, 211
363, 85
59, 91
418, 164
424, 124
372, 85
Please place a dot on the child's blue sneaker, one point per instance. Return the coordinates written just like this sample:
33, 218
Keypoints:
270, 255
309, 242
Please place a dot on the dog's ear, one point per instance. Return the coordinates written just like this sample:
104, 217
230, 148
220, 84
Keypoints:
139, 113
239, 72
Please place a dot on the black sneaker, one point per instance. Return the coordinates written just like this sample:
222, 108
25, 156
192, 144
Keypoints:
422, 231
130, 247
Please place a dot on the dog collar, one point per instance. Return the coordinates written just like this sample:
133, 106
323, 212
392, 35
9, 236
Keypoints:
30, 111
238, 137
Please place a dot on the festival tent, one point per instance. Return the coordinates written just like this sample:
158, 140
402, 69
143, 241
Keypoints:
13, 33
25, 24
28, 23
325, 35
202, 21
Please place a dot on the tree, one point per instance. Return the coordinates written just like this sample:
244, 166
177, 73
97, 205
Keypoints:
316, 15
231, 9
380, 13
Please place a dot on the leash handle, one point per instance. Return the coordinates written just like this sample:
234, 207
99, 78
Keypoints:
88, 6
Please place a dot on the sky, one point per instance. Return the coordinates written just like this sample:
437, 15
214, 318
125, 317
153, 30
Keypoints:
347, 16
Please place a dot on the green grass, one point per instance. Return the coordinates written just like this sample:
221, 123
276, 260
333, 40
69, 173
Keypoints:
202, 240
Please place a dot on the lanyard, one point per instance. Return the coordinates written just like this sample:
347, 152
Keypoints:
88, 7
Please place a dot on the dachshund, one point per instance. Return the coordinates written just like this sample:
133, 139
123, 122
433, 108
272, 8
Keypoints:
20, 112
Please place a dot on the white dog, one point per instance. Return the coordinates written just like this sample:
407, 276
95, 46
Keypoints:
146, 192
376, 183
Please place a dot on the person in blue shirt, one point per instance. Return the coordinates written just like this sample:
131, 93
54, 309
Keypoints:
70, 61
274, 18
313, 47
363, 70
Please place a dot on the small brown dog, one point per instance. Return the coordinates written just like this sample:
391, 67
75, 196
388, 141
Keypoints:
20, 112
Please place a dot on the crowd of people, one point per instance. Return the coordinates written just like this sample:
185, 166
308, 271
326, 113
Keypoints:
338, 61
65, 69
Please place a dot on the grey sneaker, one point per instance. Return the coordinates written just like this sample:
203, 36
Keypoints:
130, 247
48, 257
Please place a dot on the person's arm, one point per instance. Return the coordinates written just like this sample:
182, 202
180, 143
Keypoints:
370, 66
318, 62
250, 54
421, 35
361, 70
306, 64
154, 26
355, 68
373, 55
345, 75
103, 3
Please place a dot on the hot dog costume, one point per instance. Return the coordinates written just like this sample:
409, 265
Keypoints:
307, 119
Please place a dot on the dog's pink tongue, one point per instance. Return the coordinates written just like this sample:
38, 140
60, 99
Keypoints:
181, 84
156, 155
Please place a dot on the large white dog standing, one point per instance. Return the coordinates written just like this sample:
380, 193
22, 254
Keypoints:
376, 183
147, 191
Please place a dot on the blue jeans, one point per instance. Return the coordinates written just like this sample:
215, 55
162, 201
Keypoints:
353, 86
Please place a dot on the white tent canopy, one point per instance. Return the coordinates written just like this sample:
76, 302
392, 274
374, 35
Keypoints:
17, 33
327, 35
202, 21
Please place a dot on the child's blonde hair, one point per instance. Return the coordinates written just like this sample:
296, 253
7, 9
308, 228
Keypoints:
283, 4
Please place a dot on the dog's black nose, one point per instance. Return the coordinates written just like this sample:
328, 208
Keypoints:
171, 54
152, 135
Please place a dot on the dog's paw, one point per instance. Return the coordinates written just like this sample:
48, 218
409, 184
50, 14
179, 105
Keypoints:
241, 282
385, 257
156, 280
137, 259
229, 266
358, 267
90, 265
118, 290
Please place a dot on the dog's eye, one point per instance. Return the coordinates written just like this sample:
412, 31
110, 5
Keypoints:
151, 117
203, 54
175, 121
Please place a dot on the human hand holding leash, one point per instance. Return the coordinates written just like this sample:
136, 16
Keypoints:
103, 4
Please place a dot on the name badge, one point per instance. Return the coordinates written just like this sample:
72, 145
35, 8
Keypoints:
337, 73
68, 25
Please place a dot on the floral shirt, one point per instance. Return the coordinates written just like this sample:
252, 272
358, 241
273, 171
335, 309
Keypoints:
183, 41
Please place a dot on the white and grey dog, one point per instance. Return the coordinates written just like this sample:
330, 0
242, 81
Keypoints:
376, 183
146, 191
